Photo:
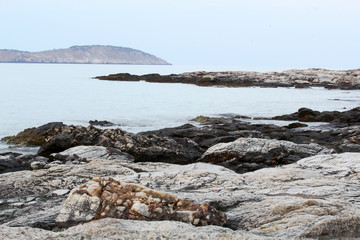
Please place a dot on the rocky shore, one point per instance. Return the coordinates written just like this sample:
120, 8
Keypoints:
313, 77
223, 179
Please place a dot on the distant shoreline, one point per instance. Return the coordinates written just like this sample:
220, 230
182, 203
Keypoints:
313, 77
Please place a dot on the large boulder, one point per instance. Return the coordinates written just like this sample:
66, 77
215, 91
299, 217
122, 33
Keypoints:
106, 197
249, 154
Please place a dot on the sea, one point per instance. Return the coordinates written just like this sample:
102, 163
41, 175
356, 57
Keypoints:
35, 94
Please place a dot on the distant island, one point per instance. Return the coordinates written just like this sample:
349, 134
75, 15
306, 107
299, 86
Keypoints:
94, 54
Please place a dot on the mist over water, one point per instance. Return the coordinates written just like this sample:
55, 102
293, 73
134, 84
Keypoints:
35, 94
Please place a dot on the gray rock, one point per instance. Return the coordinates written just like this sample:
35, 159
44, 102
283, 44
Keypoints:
42, 184
91, 153
317, 197
248, 154
61, 192
110, 228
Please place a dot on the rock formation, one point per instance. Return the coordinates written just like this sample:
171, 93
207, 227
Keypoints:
106, 197
316, 197
94, 54
249, 154
313, 77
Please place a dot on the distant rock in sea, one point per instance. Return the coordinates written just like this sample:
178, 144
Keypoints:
94, 54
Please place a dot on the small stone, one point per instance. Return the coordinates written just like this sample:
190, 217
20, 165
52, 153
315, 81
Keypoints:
29, 199
18, 204
37, 165
61, 192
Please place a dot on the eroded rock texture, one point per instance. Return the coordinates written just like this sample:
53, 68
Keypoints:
106, 197
249, 154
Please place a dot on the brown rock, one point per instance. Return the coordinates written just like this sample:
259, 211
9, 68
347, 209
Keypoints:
106, 197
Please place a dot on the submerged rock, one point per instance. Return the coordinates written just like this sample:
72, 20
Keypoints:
249, 154
106, 197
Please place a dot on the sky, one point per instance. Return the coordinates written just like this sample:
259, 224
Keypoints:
258, 33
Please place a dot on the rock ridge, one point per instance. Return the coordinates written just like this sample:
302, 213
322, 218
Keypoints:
312, 77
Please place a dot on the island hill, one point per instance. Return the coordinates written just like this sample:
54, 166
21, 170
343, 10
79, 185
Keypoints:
94, 54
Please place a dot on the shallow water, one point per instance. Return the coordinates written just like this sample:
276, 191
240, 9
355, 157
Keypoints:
35, 94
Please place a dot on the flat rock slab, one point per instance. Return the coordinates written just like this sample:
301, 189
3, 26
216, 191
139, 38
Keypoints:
317, 197
106, 197
110, 228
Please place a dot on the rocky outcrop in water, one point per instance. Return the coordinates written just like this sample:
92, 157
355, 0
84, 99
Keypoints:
308, 115
94, 54
313, 77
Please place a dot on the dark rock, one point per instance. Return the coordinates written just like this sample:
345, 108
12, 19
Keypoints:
296, 125
33, 136
308, 115
143, 148
101, 123
291, 78
12, 162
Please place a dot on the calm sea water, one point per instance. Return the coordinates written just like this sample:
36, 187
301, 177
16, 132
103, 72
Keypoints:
35, 94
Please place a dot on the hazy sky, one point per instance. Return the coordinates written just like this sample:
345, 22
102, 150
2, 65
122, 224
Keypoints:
279, 33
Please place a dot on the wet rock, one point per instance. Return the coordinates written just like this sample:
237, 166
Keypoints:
296, 125
101, 123
249, 154
33, 136
106, 197
308, 115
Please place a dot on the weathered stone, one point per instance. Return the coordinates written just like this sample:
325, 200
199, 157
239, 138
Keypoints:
316, 197
143, 148
110, 228
248, 154
33, 136
11, 162
106, 197
89, 153
47, 188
